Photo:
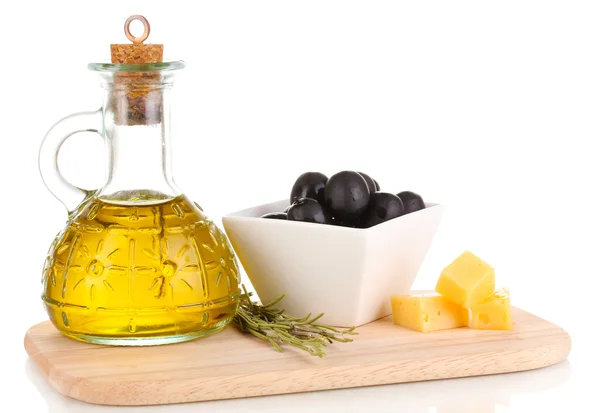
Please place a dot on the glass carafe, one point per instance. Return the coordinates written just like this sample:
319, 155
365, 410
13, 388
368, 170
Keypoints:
138, 263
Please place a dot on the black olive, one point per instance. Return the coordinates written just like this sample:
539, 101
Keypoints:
307, 210
341, 222
412, 202
275, 215
309, 185
347, 195
370, 183
383, 207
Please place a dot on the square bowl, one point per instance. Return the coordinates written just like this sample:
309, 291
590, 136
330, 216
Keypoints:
347, 273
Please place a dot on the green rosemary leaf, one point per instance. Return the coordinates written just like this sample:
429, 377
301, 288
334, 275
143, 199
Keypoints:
276, 345
257, 334
271, 304
312, 321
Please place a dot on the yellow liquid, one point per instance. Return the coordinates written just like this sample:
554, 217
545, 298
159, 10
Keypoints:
140, 274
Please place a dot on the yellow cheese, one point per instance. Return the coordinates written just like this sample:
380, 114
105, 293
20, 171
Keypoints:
427, 311
494, 313
467, 281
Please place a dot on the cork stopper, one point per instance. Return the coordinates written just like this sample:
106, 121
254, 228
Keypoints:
135, 98
138, 52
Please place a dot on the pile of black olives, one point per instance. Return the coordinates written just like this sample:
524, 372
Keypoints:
348, 198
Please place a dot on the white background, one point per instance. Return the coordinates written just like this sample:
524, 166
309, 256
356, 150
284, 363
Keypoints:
490, 108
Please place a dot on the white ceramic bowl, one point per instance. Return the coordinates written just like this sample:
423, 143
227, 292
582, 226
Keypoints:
347, 273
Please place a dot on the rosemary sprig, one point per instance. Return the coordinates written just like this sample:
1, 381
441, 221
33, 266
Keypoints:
272, 324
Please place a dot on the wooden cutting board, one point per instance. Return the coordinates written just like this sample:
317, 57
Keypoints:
232, 365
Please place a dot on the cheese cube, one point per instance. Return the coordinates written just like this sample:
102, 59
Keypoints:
494, 313
467, 281
427, 311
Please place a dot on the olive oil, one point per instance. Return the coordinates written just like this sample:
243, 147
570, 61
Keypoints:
136, 273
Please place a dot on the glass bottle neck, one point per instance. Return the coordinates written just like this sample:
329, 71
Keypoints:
136, 115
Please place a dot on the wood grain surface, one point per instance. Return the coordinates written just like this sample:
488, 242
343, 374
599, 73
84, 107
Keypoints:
232, 365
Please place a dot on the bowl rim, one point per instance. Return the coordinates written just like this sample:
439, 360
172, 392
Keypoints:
238, 215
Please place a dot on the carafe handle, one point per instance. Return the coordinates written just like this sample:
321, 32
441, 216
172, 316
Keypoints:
70, 195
